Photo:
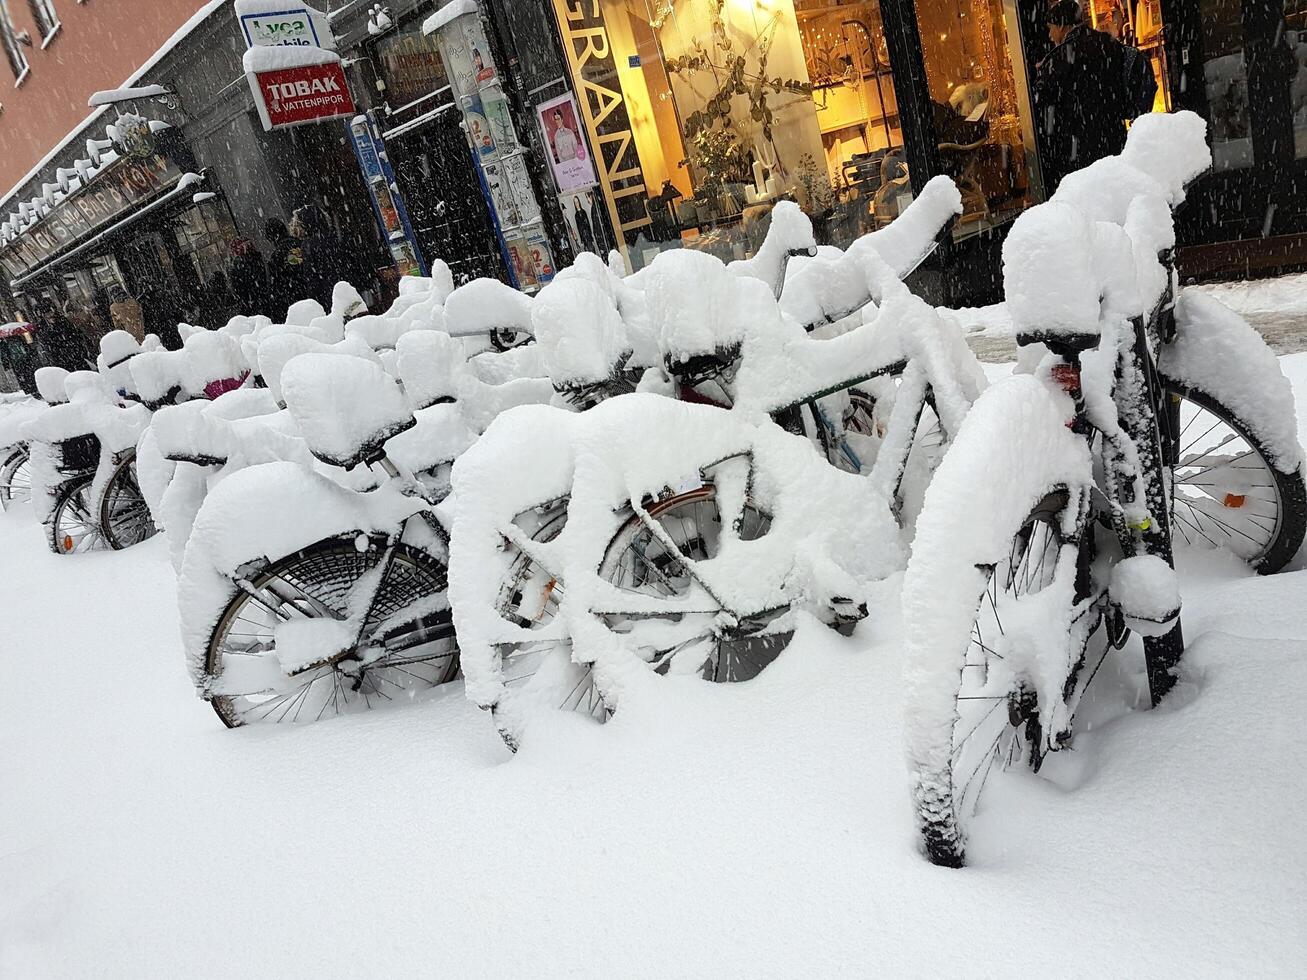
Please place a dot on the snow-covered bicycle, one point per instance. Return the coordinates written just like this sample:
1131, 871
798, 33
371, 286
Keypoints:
624, 527
1047, 534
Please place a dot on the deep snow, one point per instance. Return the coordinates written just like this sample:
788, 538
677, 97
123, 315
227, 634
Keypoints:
752, 830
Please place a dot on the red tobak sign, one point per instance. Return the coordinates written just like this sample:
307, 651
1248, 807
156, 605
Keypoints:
291, 96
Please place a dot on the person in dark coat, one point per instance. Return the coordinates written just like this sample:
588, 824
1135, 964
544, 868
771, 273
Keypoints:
324, 260
21, 357
1081, 102
161, 313
60, 343
249, 277
286, 272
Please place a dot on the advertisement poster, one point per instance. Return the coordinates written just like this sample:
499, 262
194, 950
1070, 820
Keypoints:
568, 158
501, 195
389, 210
541, 257
581, 211
520, 252
519, 185
478, 127
479, 50
495, 107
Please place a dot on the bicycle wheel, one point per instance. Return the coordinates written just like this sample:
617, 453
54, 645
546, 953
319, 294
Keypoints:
1224, 490
124, 515
543, 674
996, 722
286, 652
15, 478
539, 673
638, 561
74, 525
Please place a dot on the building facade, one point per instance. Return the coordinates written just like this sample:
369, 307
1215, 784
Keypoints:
57, 52
505, 136
175, 211
702, 113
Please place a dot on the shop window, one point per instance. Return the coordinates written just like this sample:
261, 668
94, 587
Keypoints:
703, 114
1225, 78
981, 113
409, 64
47, 21
13, 45
1295, 37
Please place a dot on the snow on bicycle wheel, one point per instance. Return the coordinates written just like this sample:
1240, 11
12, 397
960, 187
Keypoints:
643, 535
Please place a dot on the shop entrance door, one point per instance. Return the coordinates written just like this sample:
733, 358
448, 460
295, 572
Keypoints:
445, 205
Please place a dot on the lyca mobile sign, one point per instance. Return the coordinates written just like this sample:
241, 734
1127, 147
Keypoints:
294, 27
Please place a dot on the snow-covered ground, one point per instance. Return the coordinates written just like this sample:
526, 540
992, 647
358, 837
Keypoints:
753, 830
1277, 308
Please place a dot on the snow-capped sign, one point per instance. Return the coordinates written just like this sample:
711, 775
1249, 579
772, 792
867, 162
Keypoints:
274, 23
301, 94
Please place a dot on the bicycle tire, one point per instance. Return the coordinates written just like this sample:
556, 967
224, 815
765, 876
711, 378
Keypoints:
1216, 521
1004, 707
570, 686
15, 478
74, 525
124, 515
316, 581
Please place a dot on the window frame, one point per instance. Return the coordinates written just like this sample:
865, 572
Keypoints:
46, 20
14, 53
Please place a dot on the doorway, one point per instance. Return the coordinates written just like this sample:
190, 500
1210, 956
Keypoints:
446, 207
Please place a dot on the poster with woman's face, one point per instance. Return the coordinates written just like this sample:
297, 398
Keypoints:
569, 160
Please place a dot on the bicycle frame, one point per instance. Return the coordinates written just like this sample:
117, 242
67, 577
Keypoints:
1134, 460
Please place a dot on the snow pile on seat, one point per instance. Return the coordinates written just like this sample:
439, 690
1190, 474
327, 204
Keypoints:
1048, 259
159, 375
50, 384
275, 352
345, 407
346, 301
482, 305
1216, 351
212, 357
303, 312
183, 433
430, 364
579, 331
696, 307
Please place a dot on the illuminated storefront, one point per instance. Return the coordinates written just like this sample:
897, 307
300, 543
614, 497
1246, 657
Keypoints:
705, 113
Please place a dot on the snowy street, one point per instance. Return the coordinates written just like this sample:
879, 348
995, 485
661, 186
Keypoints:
758, 829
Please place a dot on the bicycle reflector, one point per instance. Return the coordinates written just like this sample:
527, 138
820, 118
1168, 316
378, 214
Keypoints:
1235, 500
1067, 377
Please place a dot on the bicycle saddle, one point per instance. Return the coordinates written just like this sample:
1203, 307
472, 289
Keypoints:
346, 407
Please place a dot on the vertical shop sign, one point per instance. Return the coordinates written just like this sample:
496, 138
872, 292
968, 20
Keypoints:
387, 205
499, 155
590, 53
